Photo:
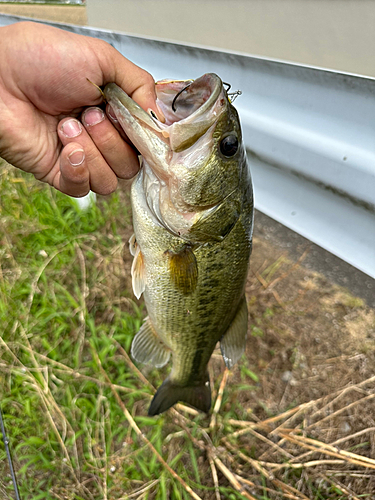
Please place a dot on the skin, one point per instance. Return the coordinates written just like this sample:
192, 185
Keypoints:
50, 122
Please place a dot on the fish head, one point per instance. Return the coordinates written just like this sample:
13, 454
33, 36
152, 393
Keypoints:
195, 159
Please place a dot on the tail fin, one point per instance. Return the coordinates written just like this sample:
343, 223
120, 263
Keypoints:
168, 394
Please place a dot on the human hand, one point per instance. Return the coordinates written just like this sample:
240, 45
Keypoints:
43, 92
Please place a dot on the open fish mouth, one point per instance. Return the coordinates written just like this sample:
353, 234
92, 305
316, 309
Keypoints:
189, 107
188, 101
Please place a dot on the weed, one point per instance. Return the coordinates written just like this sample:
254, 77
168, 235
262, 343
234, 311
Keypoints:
75, 404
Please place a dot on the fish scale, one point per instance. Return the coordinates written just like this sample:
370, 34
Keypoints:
190, 260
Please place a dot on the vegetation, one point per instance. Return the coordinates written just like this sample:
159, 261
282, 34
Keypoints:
75, 404
44, 2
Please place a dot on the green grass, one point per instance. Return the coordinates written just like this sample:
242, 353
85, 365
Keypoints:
67, 317
66, 312
61, 299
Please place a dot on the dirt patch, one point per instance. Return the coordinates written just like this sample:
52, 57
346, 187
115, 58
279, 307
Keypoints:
308, 337
58, 13
309, 402
304, 393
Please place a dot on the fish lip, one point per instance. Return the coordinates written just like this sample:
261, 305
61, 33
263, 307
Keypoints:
113, 92
213, 82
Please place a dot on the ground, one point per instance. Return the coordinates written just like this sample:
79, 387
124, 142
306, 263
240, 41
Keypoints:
58, 13
294, 419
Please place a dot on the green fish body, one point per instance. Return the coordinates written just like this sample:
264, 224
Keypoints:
192, 208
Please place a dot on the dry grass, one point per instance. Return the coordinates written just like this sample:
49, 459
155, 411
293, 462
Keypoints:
57, 13
294, 419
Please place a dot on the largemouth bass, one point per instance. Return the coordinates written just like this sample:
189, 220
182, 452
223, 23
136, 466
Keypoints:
192, 208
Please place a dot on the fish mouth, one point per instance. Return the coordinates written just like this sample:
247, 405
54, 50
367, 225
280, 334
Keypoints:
190, 108
183, 141
186, 99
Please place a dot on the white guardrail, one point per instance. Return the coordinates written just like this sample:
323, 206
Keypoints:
309, 133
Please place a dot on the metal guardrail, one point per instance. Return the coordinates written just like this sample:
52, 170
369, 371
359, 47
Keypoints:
309, 133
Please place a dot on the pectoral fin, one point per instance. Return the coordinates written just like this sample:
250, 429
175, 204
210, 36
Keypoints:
183, 270
233, 342
138, 273
133, 244
148, 348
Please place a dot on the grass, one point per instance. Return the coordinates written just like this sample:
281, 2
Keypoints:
75, 405
43, 2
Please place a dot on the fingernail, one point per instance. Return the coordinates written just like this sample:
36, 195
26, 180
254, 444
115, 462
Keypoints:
93, 116
161, 115
76, 157
71, 128
111, 113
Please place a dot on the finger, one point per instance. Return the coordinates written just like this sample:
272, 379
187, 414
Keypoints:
73, 178
135, 81
102, 178
138, 84
119, 155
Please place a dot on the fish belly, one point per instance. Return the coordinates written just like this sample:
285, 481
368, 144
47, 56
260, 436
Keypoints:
190, 324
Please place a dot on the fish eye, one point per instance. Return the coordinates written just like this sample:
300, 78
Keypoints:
229, 146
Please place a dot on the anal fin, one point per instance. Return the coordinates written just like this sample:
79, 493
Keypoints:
233, 342
148, 348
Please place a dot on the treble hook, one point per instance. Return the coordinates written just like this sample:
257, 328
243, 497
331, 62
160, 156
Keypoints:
228, 85
233, 95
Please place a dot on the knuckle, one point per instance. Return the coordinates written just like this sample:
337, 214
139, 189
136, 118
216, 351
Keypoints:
79, 194
108, 187
149, 80
108, 142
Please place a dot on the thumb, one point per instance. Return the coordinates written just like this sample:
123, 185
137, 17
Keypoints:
73, 177
135, 81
